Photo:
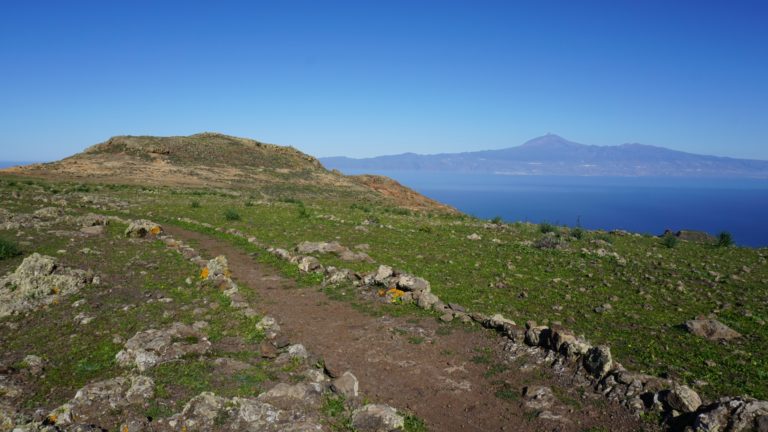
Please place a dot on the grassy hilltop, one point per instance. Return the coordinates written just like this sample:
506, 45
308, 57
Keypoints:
629, 291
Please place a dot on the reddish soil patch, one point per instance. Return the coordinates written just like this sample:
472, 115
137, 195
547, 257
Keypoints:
453, 377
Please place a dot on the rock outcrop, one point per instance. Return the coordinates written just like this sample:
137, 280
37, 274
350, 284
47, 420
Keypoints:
39, 280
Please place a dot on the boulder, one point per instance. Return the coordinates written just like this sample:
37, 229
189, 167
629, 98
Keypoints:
346, 385
383, 273
343, 252
598, 361
426, 300
92, 219
36, 282
151, 347
408, 282
292, 397
48, 213
309, 264
684, 399
143, 228
732, 415
538, 397
377, 418
216, 268
711, 329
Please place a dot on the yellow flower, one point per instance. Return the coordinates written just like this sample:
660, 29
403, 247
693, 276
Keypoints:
155, 230
55, 290
204, 273
395, 294
52, 418
124, 428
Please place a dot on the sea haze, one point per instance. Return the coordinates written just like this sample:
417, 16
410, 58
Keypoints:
637, 204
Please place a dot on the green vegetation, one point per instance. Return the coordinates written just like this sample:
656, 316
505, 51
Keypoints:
231, 215
8, 249
724, 239
652, 288
669, 240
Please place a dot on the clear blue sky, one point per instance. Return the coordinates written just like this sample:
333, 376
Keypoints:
363, 78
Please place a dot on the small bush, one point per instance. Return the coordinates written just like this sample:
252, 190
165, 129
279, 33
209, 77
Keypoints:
724, 239
496, 220
249, 203
195, 204
8, 249
546, 227
669, 240
231, 215
577, 233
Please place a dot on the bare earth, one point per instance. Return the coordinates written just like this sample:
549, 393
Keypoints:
448, 375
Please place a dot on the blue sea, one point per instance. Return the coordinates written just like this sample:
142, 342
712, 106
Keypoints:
636, 204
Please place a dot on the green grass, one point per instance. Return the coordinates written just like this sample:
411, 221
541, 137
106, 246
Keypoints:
652, 293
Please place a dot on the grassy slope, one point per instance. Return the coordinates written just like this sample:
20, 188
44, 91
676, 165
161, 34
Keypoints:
561, 285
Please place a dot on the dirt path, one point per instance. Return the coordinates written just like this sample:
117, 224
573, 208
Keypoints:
451, 376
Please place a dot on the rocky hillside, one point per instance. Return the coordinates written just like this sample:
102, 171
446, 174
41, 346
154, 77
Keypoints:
212, 160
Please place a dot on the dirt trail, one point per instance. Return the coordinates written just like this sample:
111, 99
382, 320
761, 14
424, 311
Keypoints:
450, 377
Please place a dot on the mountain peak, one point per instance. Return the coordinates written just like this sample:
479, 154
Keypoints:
549, 140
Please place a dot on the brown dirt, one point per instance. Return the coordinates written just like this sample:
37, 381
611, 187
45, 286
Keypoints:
448, 375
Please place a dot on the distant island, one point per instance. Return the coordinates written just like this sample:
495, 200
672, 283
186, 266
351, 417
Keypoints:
553, 155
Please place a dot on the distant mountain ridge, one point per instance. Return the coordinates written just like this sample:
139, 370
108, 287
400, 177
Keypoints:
553, 155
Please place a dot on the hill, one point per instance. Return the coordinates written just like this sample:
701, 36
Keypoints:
213, 160
553, 155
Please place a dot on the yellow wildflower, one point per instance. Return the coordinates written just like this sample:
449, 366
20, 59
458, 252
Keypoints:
55, 290
155, 230
204, 273
52, 418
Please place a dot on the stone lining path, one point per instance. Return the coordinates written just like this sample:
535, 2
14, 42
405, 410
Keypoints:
451, 379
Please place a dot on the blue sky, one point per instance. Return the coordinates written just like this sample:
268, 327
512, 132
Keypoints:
364, 78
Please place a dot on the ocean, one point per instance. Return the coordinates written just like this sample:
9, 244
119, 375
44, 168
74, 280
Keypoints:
636, 204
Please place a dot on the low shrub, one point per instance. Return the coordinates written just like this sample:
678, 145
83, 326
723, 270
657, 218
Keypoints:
724, 239
231, 215
8, 249
669, 240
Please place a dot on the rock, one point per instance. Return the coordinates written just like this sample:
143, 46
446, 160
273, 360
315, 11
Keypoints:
682, 398
143, 228
426, 300
36, 282
732, 415
267, 350
151, 347
538, 397
711, 329
216, 268
281, 253
92, 219
598, 361
346, 385
269, 326
377, 418
408, 282
383, 273
474, 236
446, 317
291, 397
343, 252
49, 213
309, 264
498, 322
33, 364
